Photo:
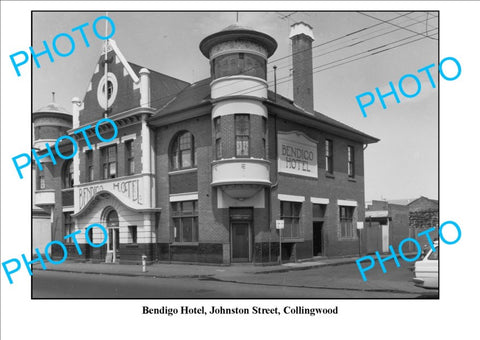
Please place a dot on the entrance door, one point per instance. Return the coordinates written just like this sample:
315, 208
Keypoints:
317, 238
113, 244
241, 242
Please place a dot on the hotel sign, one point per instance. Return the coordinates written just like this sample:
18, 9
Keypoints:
130, 191
297, 154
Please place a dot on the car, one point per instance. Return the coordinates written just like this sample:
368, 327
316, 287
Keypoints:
426, 269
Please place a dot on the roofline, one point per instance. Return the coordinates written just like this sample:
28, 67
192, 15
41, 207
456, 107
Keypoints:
39, 114
338, 130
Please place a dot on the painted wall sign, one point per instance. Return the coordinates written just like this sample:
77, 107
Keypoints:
297, 154
129, 191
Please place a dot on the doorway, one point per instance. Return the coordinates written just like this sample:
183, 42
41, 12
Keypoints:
113, 244
385, 238
317, 238
241, 248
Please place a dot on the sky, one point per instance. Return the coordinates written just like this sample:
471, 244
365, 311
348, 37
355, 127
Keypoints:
404, 164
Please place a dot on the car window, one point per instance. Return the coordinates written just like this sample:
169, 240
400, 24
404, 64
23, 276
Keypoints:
434, 255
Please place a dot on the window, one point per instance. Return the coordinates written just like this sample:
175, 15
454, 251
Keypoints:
351, 161
218, 139
329, 156
290, 213
109, 89
346, 221
185, 221
319, 211
89, 157
69, 226
182, 154
109, 161
132, 233
129, 158
68, 175
41, 182
264, 139
434, 255
242, 135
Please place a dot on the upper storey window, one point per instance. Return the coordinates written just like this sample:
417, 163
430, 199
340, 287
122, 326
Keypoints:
242, 135
67, 176
182, 153
239, 64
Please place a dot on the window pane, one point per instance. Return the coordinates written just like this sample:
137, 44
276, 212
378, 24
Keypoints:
176, 225
185, 141
113, 170
186, 160
187, 225
296, 209
187, 207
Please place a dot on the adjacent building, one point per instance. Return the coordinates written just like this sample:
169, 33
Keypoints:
205, 172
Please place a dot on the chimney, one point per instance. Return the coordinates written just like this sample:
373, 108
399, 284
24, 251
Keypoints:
302, 38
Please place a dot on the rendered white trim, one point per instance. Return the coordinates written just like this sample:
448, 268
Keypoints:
191, 196
319, 200
124, 61
347, 203
104, 144
301, 28
131, 136
291, 198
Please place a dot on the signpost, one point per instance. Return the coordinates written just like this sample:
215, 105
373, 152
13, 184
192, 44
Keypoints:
280, 224
359, 228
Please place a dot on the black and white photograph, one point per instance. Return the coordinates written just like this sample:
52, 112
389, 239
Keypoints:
244, 170
270, 161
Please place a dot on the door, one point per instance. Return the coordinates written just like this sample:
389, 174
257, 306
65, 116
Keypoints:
113, 244
317, 238
241, 248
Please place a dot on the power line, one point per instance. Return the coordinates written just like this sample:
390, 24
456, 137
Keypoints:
388, 22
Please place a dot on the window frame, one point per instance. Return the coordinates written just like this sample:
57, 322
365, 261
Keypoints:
176, 159
41, 182
351, 161
89, 165
132, 234
106, 162
129, 158
346, 222
67, 175
295, 215
329, 156
217, 125
246, 136
68, 227
179, 216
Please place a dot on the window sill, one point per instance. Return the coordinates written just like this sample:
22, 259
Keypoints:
183, 244
182, 171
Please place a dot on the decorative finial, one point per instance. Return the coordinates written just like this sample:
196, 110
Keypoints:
53, 97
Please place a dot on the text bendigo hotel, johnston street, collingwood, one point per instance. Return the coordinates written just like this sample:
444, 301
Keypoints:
297, 310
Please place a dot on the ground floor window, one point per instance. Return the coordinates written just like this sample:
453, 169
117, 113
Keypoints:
346, 221
185, 221
69, 226
132, 234
290, 213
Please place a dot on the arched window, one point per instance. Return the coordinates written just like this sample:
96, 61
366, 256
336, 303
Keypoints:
182, 152
67, 175
112, 219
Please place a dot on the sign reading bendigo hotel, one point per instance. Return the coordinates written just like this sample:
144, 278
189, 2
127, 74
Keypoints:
129, 190
297, 154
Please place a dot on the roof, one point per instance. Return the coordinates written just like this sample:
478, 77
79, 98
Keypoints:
52, 108
236, 32
423, 198
164, 88
198, 93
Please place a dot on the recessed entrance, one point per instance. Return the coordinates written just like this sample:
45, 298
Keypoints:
317, 238
240, 242
113, 244
241, 234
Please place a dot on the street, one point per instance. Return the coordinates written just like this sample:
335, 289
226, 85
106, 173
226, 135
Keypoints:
341, 281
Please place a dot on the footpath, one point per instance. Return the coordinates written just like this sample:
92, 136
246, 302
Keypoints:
174, 270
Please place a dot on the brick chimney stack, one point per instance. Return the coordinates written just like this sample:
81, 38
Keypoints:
302, 38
